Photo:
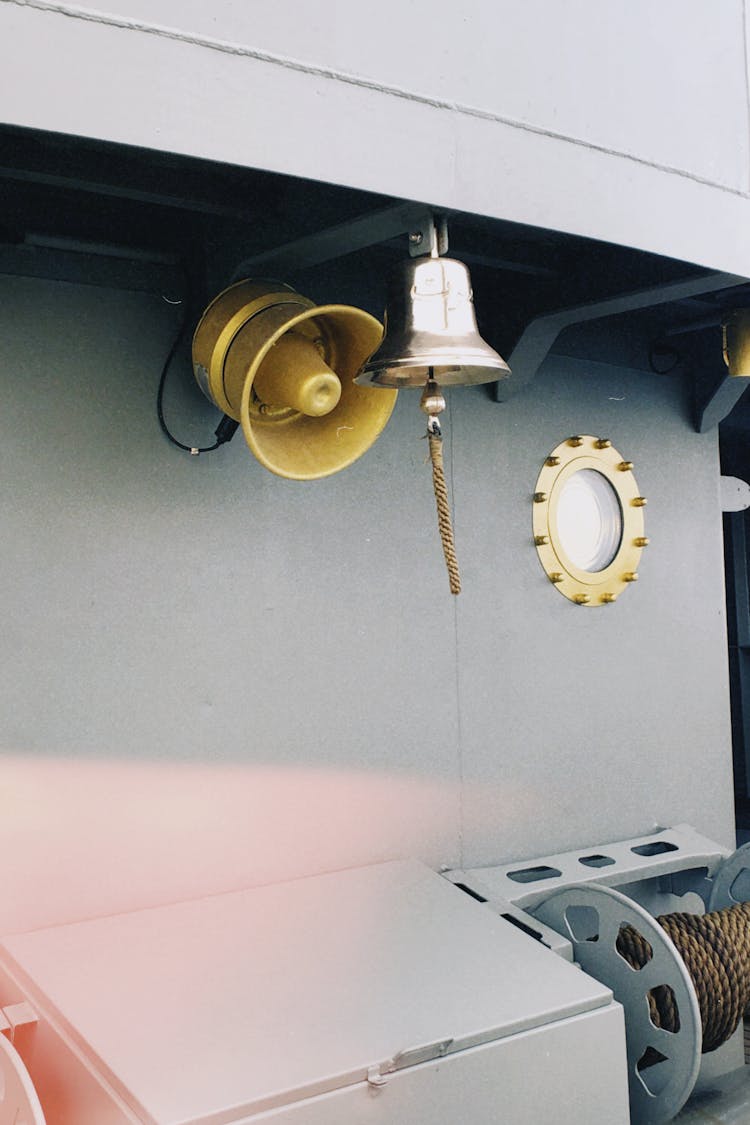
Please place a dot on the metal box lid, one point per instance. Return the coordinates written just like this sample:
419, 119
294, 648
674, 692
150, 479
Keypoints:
222, 1007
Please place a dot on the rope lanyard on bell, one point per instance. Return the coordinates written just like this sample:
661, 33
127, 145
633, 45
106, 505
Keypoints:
432, 403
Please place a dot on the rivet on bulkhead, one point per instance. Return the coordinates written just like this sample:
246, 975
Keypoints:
575, 441
641, 541
631, 576
603, 443
608, 598
541, 540
552, 461
555, 577
582, 599
625, 466
540, 497
639, 501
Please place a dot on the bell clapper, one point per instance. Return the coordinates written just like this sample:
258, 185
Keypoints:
432, 403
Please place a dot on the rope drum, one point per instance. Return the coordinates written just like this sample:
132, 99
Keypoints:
716, 950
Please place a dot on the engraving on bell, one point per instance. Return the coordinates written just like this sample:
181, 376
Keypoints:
431, 330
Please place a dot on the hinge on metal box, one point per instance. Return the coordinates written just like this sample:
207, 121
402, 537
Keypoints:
16, 1019
377, 1075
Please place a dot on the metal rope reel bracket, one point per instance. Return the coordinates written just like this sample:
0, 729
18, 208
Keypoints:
662, 1065
679, 857
572, 895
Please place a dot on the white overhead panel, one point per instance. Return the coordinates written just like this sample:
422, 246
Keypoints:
514, 111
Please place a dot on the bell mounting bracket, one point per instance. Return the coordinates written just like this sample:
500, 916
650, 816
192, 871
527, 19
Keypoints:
430, 236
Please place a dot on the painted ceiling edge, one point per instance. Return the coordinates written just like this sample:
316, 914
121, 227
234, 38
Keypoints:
514, 165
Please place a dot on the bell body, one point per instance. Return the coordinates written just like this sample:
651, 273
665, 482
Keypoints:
431, 330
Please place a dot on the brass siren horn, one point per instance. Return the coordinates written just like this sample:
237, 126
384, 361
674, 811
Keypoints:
284, 368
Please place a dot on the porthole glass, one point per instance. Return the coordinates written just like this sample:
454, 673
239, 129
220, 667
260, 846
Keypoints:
589, 520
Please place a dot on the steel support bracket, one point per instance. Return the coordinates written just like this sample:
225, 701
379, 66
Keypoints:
716, 397
537, 339
346, 238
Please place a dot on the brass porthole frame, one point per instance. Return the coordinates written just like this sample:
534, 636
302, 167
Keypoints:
588, 588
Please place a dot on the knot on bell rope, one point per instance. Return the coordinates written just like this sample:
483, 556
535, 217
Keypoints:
433, 403
716, 950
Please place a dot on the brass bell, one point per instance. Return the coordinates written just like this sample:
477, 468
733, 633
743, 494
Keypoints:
431, 330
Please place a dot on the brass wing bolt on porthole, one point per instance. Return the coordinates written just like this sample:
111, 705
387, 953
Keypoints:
587, 520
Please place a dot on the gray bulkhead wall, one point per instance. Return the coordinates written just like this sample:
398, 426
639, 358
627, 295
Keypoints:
214, 677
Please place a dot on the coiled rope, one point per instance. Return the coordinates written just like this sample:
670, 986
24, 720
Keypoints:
716, 950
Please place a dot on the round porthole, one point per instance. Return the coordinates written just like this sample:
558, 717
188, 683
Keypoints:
588, 520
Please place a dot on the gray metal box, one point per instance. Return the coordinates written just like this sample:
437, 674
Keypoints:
380, 994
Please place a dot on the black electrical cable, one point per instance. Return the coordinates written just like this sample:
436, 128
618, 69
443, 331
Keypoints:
226, 428
663, 351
